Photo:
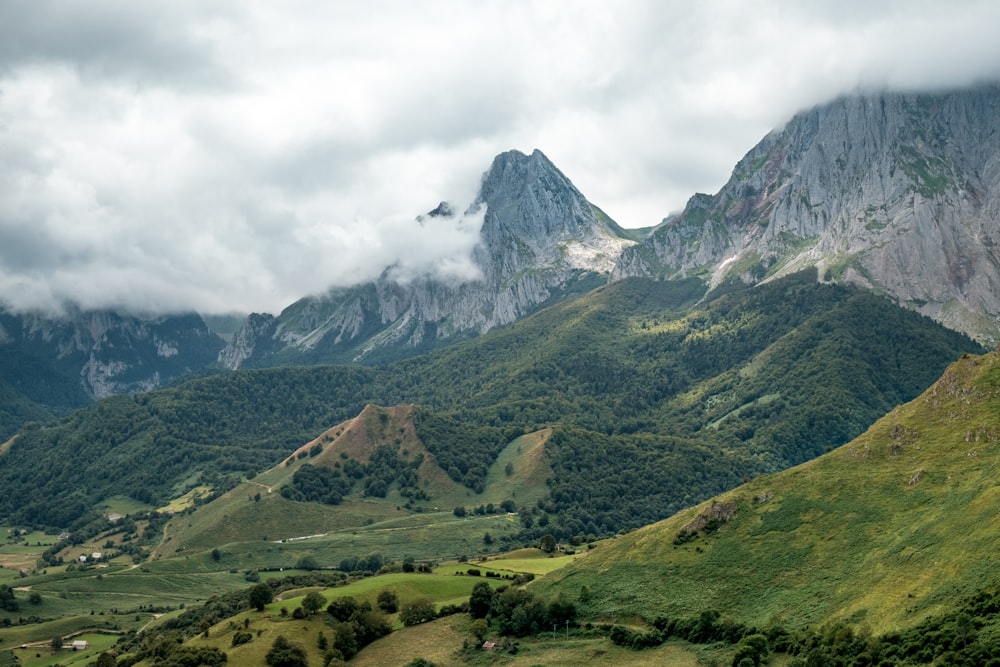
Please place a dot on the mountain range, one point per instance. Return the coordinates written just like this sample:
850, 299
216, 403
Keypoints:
540, 241
895, 192
51, 364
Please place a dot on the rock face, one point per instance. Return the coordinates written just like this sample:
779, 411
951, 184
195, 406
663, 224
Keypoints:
540, 240
896, 192
92, 354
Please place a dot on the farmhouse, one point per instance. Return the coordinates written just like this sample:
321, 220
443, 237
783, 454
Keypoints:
80, 645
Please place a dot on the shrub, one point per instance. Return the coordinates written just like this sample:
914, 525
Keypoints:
418, 611
388, 601
284, 653
241, 638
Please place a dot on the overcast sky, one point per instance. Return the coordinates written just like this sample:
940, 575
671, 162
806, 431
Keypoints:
237, 155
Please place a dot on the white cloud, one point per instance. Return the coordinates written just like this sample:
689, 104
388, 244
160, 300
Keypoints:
238, 155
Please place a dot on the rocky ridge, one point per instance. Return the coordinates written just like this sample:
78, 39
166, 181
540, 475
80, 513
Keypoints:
896, 192
102, 352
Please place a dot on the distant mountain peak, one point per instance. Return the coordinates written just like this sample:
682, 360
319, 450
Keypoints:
443, 210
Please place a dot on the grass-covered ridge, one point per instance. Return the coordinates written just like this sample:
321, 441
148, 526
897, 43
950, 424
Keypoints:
881, 533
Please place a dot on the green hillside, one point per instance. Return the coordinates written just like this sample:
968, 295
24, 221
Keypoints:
655, 400
419, 500
882, 533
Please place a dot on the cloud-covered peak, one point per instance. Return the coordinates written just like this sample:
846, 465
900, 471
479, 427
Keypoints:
171, 155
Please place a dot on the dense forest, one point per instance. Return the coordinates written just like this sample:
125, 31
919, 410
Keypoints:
658, 400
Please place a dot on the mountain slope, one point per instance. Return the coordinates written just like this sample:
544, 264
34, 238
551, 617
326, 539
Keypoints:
683, 398
540, 241
51, 364
881, 533
892, 191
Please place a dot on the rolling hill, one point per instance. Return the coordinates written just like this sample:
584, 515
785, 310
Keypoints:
286, 503
891, 529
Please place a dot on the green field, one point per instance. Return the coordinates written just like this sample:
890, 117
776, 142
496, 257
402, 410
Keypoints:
121, 596
445, 586
20, 550
533, 561
441, 642
44, 656
442, 588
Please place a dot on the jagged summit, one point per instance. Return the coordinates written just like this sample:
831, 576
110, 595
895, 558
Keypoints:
514, 175
442, 210
527, 196
898, 192
540, 240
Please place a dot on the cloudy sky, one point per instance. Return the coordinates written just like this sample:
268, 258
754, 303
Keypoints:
236, 155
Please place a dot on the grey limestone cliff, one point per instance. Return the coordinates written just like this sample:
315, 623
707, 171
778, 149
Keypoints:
897, 192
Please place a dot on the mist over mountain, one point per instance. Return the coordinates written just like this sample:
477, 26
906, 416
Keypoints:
540, 240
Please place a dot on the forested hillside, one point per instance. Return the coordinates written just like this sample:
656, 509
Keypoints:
657, 401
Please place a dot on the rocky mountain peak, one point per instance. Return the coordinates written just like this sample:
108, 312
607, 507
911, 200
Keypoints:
540, 236
528, 196
442, 210
899, 192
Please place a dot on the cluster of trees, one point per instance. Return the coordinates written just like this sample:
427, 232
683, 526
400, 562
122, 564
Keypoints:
706, 628
386, 467
368, 564
329, 484
357, 624
165, 649
964, 637
507, 505
284, 653
517, 612
318, 484
8, 601
463, 449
